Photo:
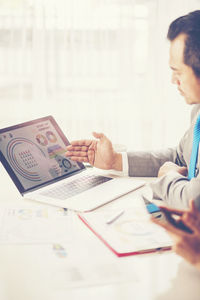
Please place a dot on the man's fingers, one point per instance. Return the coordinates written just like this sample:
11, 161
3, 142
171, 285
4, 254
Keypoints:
174, 211
192, 217
170, 228
77, 154
91, 156
193, 207
81, 143
192, 221
98, 135
183, 171
79, 159
77, 148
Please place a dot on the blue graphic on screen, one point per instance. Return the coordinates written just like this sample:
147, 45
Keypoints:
36, 154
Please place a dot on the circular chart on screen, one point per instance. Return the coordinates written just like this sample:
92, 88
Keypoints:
23, 155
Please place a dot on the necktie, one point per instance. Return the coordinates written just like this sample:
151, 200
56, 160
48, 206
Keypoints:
195, 148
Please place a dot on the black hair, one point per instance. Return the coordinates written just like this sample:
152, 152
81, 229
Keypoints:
190, 26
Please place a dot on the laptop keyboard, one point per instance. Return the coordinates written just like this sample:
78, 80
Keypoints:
75, 187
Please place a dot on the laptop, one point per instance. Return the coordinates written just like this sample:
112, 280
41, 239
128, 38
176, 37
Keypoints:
33, 154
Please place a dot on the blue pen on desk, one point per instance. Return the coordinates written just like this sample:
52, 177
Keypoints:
115, 217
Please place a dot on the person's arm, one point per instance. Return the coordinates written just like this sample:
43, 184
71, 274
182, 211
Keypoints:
147, 164
170, 167
99, 153
175, 189
186, 244
172, 184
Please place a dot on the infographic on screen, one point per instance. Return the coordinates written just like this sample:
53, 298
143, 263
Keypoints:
36, 154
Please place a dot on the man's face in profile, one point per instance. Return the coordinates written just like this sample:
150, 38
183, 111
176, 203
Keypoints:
182, 75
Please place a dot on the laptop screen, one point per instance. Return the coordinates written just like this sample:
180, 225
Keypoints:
33, 153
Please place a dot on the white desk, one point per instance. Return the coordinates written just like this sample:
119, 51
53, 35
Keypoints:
90, 270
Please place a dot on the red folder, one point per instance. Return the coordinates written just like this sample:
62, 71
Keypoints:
127, 251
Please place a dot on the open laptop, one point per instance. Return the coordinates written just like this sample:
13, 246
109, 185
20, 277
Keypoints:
33, 153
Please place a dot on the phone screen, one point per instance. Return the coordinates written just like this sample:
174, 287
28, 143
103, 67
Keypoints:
152, 208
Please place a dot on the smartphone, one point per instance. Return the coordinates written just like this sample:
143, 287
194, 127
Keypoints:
176, 222
152, 208
165, 216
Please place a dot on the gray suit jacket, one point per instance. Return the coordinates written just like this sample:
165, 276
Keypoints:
173, 188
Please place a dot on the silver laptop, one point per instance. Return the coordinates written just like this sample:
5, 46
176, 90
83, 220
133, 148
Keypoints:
33, 153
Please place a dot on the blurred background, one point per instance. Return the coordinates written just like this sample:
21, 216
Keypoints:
95, 65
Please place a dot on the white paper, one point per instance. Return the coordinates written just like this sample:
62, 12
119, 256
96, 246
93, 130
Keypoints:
39, 225
131, 232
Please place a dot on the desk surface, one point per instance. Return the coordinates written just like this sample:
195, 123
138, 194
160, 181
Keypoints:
89, 270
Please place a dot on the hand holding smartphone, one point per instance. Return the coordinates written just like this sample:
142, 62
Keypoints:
166, 215
173, 217
184, 229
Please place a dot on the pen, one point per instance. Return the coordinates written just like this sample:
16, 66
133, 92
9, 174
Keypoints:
115, 217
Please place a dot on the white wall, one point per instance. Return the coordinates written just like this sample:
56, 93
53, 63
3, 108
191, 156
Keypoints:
95, 65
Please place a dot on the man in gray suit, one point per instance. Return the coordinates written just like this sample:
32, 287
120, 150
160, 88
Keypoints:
171, 165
